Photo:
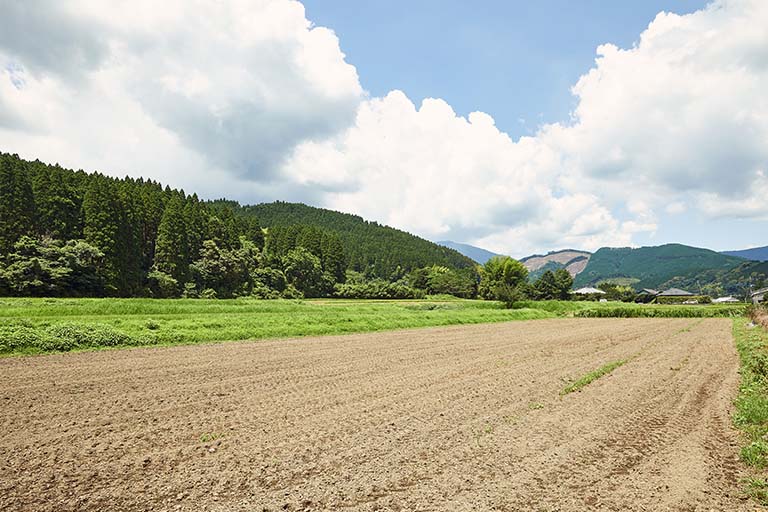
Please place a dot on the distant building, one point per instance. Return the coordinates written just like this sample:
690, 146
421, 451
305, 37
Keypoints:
675, 292
588, 291
759, 295
650, 292
723, 300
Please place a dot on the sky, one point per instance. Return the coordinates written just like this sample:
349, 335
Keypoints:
514, 127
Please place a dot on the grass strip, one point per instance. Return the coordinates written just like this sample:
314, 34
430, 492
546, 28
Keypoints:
592, 376
34, 326
751, 415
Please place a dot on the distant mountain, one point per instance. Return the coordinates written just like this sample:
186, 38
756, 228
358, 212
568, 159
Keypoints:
369, 246
570, 259
754, 254
470, 251
657, 267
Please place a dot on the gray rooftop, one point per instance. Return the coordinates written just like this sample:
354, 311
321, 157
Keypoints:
674, 292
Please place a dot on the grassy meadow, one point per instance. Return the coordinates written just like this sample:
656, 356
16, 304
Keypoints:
29, 326
44, 325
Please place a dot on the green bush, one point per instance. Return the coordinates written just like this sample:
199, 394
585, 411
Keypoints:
377, 289
64, 337
700, 299
74, 335
660, 312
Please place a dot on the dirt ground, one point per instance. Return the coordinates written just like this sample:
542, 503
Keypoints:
456, 418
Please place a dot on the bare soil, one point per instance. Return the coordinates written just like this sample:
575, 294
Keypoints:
456, 418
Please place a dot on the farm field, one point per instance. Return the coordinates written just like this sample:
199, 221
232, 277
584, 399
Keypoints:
449, 418
48, 325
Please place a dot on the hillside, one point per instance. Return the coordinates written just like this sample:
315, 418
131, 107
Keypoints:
572, 260
367, 245
73, 233
478, 254
656, 267
753, 254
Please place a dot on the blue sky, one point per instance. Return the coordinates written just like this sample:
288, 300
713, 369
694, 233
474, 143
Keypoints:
519, 127
516, 60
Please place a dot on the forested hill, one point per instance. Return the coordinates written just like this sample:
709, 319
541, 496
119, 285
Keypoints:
369, 246
669, 265
72, 233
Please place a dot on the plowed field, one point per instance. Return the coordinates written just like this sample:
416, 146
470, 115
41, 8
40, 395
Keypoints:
454, 418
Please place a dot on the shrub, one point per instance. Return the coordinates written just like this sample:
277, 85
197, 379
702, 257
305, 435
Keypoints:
377, 289
291, 292
72, 335
208, 293
18, 337
162, 285
700, 299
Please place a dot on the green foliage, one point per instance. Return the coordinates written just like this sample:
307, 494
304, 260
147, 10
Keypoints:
172, 252
17, 205
440, 280
553, 285
500, 271
700, 299
751, 414
49, 267
224, 272
661, 311
377, 289
511, 296
162, 285
26, 324
369, 246
304, 272
618, 292
666, 266
592, 376
64, 337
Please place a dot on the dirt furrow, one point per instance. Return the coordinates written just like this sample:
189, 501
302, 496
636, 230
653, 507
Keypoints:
452, 418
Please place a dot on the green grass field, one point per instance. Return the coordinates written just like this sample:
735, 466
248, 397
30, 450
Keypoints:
752, 404
44, 325
49, 325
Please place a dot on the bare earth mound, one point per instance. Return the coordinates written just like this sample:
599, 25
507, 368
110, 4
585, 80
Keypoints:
457, 418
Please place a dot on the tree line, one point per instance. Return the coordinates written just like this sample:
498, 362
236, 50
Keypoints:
67, 233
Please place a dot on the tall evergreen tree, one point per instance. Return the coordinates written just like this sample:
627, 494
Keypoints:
129, 234
101, 212
172, 249
17, 204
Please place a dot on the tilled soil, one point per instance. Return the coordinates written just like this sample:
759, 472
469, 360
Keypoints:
456, 418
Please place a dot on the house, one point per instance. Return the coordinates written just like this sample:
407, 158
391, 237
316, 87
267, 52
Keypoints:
675, 292
650, 292
588, 291
759, 295
723, 300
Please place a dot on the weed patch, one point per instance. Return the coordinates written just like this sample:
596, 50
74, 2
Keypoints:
592, 376
751, 414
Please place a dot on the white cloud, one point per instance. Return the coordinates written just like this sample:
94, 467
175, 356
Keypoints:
248, 99
235, 85
682, 116
449, 177
683, 111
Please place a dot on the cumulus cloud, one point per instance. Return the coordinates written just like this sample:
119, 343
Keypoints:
679, 118
682, 111
449, 177
237, 84
250, 100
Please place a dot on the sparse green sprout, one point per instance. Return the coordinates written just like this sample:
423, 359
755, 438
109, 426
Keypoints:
212, 436
592, 376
